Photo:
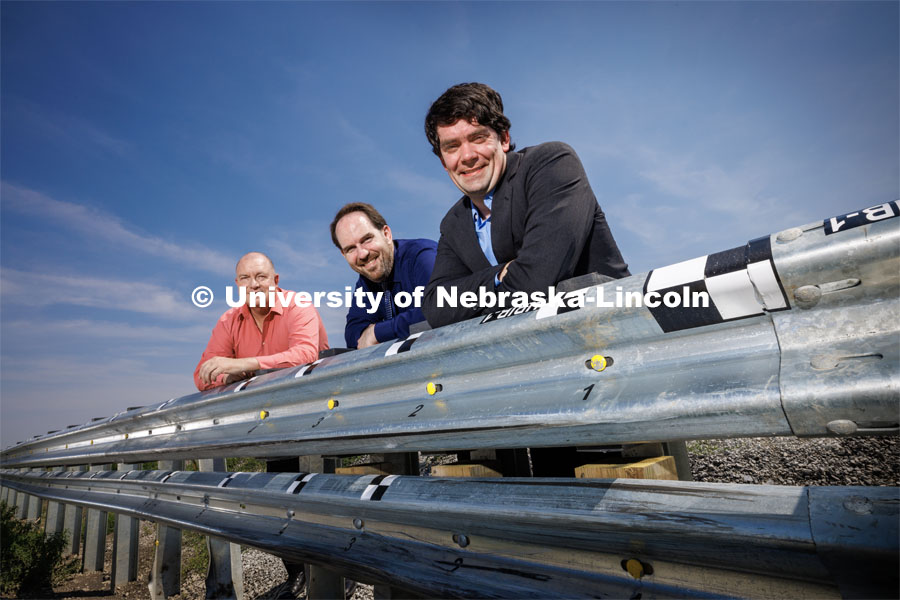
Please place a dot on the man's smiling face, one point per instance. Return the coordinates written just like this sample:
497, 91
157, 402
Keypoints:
474, 156
368, 250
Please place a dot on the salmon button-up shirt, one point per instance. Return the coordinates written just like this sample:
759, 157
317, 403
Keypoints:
291, 336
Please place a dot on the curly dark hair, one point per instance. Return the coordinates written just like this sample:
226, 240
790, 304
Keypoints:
471, 101
367, 209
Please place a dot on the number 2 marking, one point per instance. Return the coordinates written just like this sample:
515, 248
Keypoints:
319, 421
587, 391
418, 408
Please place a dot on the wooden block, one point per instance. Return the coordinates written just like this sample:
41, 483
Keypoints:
658, 467
384, 468
464, 470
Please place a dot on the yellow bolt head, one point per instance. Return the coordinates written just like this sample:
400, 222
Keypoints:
263, 414
431, 388
598, 362
332, 404
635, 568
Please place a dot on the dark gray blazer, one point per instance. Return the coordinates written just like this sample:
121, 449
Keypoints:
544, 215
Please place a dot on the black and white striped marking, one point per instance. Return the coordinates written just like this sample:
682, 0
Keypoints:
298, 484
307, 369
167, 476
166, 403
741, 283
401, 346
227, 480
244, 384
377, 487
570, 301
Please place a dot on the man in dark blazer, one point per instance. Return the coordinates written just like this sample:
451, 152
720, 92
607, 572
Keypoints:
527, 220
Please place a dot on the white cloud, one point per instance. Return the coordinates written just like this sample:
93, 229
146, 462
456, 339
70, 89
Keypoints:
749, 198
734, 193
647, 222
87, 328
303, 262
98, 224
34, 403
334, 320
45, 289
423, 188
357, 140
70, 129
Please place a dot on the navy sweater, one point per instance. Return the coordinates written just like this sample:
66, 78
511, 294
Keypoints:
413, 263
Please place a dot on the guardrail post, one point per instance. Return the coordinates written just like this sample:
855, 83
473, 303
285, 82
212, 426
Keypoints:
225, 576
55, 515
405, 463
11, 498
72, 523
165, 578
125, 543
678, 451
95, 535
35, 506
22, 501
323, 584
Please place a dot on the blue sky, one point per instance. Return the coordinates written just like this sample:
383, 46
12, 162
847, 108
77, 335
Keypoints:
146, 146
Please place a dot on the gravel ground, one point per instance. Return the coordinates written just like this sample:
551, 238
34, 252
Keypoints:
772, 461
792, 461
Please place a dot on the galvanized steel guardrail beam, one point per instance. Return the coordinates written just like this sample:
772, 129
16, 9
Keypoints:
801, 338
525, 537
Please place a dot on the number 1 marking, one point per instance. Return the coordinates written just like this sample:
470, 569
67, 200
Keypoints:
587, 391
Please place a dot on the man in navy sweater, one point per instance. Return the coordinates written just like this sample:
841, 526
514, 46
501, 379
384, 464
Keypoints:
393, 273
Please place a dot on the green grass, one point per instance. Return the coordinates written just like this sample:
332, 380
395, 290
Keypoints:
703, 447
195, 553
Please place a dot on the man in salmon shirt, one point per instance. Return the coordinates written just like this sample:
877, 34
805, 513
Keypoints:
263, 337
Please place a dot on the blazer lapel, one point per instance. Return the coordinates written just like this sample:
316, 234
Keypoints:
464, 230
501, 212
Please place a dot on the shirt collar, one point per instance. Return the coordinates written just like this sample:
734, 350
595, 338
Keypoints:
277, 309
476, 216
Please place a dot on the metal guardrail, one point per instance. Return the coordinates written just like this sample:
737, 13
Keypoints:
801, 338
526, 537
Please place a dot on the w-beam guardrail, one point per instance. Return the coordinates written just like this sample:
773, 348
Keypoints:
526, 538
800, 338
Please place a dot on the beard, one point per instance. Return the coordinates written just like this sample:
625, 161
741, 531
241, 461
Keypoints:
378, 268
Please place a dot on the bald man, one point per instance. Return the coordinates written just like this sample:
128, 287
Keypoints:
263, 337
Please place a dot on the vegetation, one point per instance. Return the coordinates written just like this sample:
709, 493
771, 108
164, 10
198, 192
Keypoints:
704, 447
195, 553
246, 464
29, 561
